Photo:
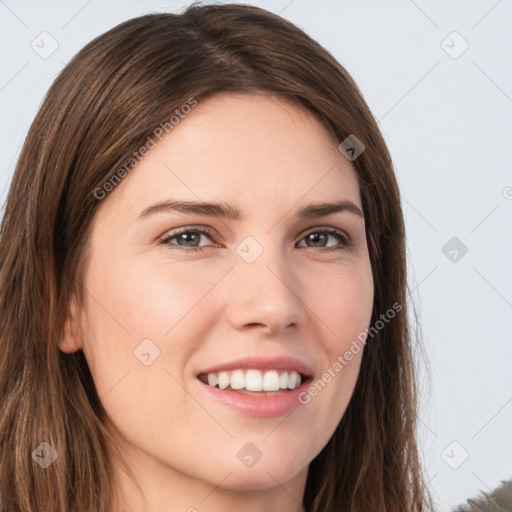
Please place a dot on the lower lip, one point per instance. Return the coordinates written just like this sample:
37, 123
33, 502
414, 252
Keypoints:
260, 406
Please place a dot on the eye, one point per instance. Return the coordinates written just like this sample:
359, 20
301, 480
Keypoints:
186, 236
188, 239
320, 236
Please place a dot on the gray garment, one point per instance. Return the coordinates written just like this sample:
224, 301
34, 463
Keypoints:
499, 500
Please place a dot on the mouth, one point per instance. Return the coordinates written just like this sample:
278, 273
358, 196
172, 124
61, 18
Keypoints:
255, 382
257, 386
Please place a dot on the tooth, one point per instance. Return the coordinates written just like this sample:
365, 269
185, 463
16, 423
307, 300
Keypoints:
223, 380
292, 380
271, 381
253, 380
237, 379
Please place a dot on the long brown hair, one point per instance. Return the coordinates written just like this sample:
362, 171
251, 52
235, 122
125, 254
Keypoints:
100, 110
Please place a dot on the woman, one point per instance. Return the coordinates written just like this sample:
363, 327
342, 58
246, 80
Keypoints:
203, 282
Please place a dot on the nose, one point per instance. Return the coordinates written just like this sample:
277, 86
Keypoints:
265, 293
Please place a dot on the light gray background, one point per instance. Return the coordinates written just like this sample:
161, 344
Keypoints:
448, 124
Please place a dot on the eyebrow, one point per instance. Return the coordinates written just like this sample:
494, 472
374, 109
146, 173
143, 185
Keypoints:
224, 210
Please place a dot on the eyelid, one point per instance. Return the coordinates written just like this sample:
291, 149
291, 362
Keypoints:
185, 229
347, 240
210, 231
314, 229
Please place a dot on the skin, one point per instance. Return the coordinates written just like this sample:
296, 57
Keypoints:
268, 158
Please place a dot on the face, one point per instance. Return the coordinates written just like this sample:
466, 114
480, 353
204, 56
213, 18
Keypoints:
184, 299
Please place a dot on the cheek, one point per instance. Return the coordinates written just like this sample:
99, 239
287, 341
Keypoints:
135, 313
342, 299
132, 301
142, 299
344, 302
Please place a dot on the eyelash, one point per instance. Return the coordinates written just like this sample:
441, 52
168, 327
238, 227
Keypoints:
339, 235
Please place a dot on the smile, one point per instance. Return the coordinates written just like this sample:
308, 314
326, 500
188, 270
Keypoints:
253, 380
262, 387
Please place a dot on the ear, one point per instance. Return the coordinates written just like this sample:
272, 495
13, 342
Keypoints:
71, 339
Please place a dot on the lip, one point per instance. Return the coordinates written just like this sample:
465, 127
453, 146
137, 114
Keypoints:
264, 406
262, 363
260, 406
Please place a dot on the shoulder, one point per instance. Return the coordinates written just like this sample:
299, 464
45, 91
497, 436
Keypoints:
498, 500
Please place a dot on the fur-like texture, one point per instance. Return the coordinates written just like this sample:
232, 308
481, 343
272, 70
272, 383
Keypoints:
499, 500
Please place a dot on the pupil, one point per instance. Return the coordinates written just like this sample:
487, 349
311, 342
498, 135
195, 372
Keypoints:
186, 236
315, 236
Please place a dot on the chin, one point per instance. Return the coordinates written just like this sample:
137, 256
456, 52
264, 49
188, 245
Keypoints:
261, 476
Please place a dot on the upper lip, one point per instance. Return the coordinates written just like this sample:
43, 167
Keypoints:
263, 363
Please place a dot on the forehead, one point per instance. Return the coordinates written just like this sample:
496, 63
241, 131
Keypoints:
248, 149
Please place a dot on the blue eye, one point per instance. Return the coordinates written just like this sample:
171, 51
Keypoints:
193, 237
188, 236
313, 236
